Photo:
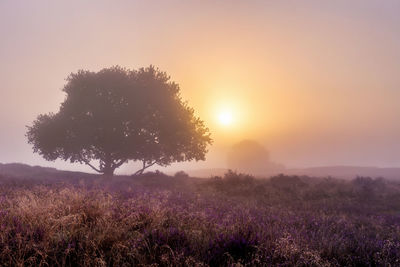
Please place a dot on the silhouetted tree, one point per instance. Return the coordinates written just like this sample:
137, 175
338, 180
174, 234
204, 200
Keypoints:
116, 115
250, 156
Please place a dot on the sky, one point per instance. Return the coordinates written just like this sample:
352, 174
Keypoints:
316, 82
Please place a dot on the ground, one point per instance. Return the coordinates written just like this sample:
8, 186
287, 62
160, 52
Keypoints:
159, 220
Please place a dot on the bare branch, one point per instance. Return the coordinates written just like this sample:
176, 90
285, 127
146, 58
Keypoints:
118, 163
91, 166
145, 167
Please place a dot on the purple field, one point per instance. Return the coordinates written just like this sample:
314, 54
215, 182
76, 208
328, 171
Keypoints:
235, 220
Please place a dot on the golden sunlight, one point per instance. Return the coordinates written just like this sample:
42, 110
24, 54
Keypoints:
225, 117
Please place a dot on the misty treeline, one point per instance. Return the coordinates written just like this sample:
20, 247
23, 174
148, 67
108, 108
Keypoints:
118, 115
178, 220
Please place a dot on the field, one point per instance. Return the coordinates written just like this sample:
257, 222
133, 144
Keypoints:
161, 220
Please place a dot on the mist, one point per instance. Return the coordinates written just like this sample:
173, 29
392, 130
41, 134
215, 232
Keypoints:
315, 83
199, 133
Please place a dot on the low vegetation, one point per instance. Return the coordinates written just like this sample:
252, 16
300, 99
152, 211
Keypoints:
237, 220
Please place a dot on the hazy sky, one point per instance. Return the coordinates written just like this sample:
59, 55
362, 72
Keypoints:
316, 82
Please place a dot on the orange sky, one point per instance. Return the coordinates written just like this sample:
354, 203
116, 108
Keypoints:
316, 82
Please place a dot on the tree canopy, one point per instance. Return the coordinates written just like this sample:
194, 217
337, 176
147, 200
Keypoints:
117, 115
249, 156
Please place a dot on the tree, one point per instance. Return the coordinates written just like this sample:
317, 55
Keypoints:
117, 115
251, 157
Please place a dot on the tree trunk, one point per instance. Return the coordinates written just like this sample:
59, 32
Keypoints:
108, 170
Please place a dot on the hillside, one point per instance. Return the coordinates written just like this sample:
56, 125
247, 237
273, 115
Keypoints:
20, 170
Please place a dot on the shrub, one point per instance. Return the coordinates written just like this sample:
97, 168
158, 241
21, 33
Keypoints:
181, 174
236, 247
118, 223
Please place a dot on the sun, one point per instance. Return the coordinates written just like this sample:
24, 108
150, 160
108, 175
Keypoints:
225, 117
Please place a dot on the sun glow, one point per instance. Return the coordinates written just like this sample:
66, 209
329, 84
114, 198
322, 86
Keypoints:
225, 117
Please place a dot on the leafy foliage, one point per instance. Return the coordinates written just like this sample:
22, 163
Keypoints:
116, 115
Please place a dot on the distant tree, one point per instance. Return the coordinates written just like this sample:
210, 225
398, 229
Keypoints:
117, 115
249, 156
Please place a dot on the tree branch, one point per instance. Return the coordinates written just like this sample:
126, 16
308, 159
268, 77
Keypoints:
145, 167
118, 163
91, 166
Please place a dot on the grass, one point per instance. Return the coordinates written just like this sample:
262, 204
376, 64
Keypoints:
236, 220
